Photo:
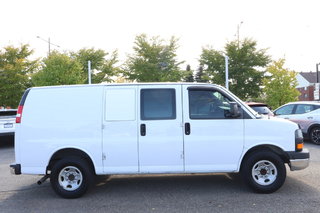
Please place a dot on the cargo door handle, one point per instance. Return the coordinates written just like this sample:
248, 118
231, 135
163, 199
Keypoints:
187, 128
143, 130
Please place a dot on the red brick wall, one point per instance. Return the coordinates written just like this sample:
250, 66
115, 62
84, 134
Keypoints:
306, 93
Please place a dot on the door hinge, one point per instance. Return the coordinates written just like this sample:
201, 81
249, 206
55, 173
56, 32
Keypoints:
104, 157
182, 155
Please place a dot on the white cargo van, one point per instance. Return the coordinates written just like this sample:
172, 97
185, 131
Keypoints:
72, 133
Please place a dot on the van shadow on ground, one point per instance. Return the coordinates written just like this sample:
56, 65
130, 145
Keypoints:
168, 193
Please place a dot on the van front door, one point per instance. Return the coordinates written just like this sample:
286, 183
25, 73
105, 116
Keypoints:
160, 129
213, 139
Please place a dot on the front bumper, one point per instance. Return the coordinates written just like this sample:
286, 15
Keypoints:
15, 169
299, 160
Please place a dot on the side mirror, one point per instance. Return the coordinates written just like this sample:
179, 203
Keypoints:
234, 110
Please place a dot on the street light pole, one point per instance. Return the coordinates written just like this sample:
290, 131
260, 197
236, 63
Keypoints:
227, 71
317, 69
238, 33
49, 44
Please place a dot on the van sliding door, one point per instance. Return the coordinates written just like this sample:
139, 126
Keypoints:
160, 129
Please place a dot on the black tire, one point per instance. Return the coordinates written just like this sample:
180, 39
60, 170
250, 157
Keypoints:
71, 177
263, 171
314, 135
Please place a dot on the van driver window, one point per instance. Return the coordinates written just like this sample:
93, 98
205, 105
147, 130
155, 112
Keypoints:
208, 105
158, 104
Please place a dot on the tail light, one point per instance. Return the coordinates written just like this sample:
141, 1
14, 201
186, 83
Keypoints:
20, 107
19, 114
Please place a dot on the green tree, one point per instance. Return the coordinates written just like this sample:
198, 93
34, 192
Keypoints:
188, 75
280, 85
102, 68
200, 76
59, 69
153, 60
246, 64
15, 70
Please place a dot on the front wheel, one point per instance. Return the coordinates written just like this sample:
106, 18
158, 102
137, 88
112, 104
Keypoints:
264, 171
71, 177
315, 135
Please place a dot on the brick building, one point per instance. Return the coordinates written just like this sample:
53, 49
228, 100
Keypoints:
306, 86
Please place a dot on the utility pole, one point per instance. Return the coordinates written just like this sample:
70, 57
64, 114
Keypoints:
49, 44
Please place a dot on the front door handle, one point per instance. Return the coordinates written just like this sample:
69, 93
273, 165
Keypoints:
143, 130
187, 129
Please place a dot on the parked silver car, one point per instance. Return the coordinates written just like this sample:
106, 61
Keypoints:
306, 114
7, 121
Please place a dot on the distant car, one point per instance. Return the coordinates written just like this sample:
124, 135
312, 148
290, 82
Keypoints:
260, 108
7, 122
306, 114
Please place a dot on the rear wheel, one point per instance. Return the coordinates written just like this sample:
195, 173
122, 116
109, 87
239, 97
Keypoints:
264, 171
315, 135
71, 177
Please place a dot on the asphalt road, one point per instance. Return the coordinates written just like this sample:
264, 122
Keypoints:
169, 193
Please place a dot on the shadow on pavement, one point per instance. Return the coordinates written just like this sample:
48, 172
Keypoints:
165, 193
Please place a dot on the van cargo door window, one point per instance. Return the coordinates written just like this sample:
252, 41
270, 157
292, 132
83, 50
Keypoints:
158, 104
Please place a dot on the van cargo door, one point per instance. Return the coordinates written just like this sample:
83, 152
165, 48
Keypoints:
120, 140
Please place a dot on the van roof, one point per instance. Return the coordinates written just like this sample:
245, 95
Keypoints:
127, 84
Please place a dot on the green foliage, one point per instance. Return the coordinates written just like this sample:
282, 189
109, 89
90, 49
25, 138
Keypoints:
15, 70
188, 74
245, 65
200, 76
59, 69
280, 86
102, 69
153, 61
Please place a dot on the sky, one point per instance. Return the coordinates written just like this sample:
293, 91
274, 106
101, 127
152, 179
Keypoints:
290, 29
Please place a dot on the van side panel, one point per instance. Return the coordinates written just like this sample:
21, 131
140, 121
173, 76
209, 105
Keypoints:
57, 118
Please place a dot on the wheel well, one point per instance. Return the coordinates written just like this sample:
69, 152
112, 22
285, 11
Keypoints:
267, 148
68, 153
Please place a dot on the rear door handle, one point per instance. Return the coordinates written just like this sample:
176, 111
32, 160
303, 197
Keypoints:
187, 129
143, 130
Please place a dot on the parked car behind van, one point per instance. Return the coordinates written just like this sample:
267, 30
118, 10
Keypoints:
261, 108
306, 114
7, 122
154, 128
